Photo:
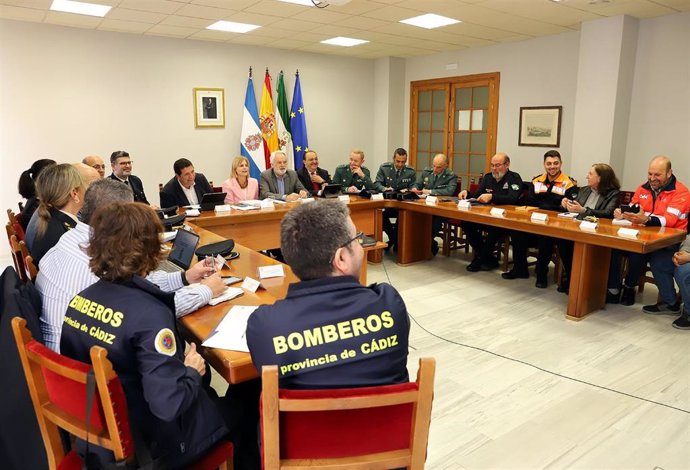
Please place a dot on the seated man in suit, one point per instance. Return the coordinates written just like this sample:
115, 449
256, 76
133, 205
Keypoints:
121, 165
329, 311
500, 186
394, 176
436, 180
280, 183
354, 176
186, 188
312, 177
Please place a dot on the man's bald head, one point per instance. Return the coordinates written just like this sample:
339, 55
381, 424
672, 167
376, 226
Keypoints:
659, 172
439, 163
96, 162
87, 173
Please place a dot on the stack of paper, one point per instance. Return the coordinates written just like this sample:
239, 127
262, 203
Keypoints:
621, 222
230, 332
229, 294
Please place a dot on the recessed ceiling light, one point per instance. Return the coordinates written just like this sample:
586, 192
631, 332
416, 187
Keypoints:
81, 8
306, 3
232, 27
430, 21
345, 42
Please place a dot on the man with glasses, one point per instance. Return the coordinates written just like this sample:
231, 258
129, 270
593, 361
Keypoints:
121, 165
95, 162
329, 331
498, 187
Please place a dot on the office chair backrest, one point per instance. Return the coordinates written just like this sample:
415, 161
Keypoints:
57, 386
347, 428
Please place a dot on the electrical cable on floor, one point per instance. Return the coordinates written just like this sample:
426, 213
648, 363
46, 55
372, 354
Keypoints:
601, 387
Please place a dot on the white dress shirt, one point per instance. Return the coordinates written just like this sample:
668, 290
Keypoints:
64, 272
190, 193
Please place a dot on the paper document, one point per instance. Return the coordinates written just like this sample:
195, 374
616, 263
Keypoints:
192, 213
229, 294
230, 332
168, 236
621, 222
244, 207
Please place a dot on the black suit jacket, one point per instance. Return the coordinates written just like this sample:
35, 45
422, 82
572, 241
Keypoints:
59, 223
20, 440
303, 175
137, 187
172, 194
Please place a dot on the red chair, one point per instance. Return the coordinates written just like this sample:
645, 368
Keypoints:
355, 429
57, 386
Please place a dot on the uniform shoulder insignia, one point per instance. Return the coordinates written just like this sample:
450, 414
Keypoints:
165, 342
387, 165
343, 165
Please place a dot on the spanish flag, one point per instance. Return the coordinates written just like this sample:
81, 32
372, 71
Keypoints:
267, 121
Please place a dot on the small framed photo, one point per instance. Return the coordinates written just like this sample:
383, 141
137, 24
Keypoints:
209, 107
540, 126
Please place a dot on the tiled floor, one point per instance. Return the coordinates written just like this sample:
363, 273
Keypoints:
609, 392
553, 409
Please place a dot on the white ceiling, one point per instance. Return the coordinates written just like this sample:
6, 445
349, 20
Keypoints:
290, 26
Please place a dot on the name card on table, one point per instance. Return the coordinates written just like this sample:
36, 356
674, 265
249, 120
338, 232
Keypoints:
464, 204
250, 284
377, 197
267, 204
307, 199
497, 212
222, 208
190, 213
344, 198
539, 217
431, 200
274, 270
588, 226
628, 233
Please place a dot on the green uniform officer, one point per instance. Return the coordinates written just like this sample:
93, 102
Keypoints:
353, 176
436, 181
395, 175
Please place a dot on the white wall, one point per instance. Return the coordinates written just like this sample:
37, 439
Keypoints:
66, 93
537, 72
660, 107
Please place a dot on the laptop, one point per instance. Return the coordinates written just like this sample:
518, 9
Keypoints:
211, 200
331, 190
182, 252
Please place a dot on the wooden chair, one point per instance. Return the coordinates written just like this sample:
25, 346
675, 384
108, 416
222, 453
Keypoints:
355, 429
18, 258
57, 386
14, 222
451, 230
30, 269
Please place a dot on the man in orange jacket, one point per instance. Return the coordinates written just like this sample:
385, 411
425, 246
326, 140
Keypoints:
662, 201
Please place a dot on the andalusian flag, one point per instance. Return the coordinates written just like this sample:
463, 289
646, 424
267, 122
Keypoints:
267, 121
298, 124
251, 141
283, 122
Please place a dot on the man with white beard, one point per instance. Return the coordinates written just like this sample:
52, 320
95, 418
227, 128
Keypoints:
279, 182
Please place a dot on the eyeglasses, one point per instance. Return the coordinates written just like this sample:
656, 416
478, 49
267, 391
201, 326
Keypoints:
359, 237
129, 163
496, 165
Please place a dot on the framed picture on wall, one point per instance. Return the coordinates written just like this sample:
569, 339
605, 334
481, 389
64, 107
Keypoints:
540, 126
209, 107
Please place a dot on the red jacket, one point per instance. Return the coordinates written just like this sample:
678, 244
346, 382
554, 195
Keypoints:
669, 208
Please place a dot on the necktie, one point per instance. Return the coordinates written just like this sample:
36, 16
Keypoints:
314, 184
126, 182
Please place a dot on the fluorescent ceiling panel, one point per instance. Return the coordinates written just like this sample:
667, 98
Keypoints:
345, 42
232, 27
430, 21
80, 8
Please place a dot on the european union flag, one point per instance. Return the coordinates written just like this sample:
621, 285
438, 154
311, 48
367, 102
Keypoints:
298, 124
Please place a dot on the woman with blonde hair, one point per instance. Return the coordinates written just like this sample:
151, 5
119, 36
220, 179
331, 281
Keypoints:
240, 187
60, 190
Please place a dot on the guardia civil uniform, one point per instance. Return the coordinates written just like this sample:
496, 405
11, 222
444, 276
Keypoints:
344, 176
135, 322
390, 177
443, 184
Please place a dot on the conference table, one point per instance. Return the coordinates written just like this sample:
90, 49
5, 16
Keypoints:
259, 230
